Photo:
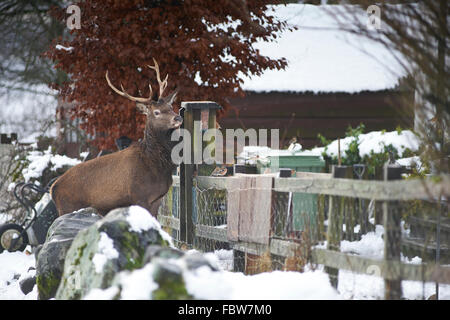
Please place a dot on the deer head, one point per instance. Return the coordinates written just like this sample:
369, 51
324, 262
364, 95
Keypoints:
160, 115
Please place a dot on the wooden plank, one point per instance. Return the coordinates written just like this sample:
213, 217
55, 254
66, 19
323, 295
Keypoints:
284, 248
220, 183
384, 269
169, 222
250, 247
233, 197
422, 189
255, 208
245, 210
210, 232
200, 105
227, 183
313, 175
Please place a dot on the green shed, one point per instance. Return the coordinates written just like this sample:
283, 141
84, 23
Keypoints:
302, 206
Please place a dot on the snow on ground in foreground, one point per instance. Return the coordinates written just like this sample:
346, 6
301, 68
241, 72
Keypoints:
207, 284
13, 268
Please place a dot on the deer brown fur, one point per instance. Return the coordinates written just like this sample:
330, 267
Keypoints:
139, 175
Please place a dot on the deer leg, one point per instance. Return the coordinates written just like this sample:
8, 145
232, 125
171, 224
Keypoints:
151, 206
154, 206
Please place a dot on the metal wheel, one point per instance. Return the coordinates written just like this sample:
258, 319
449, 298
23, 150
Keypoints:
10, 238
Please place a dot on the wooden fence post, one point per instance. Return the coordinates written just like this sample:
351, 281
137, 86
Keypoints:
361, 171
335, 220
392, 235
192, 122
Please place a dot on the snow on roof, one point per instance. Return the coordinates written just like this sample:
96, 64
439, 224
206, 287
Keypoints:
322, 58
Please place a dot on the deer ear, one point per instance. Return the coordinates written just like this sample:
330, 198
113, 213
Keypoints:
171, 97
142, 108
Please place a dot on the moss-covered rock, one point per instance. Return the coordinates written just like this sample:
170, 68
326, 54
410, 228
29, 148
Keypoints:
171, 285
113, 244
50, 257
126, 255
163, 277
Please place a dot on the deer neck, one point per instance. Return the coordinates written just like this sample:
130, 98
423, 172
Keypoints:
157, 146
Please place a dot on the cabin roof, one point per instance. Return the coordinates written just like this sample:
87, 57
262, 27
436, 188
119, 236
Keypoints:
322, 58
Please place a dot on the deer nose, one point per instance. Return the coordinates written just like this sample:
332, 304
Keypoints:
178, 118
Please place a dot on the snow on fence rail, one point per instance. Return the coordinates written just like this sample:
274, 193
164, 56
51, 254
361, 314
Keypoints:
253, 196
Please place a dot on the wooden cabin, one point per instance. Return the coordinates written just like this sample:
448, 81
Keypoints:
305, 115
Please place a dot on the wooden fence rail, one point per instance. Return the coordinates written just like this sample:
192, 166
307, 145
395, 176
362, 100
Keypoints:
402, 190
417, 189
323, 184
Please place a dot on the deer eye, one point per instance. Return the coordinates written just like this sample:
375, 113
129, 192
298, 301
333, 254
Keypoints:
156, 112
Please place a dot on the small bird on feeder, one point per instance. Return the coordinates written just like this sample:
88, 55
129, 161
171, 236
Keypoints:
294, 146
219, 171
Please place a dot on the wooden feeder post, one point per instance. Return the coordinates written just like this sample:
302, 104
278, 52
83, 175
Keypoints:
192, 122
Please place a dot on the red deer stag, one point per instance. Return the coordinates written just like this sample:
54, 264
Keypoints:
139, 175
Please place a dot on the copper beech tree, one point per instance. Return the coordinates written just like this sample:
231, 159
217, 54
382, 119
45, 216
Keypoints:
203, 45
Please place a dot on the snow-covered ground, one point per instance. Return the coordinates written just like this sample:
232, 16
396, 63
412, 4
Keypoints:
14, 266
223, 285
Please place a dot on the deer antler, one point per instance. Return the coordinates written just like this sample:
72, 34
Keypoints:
162, 84
123, 93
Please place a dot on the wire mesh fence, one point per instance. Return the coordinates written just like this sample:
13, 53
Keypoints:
169, 213
257, 228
